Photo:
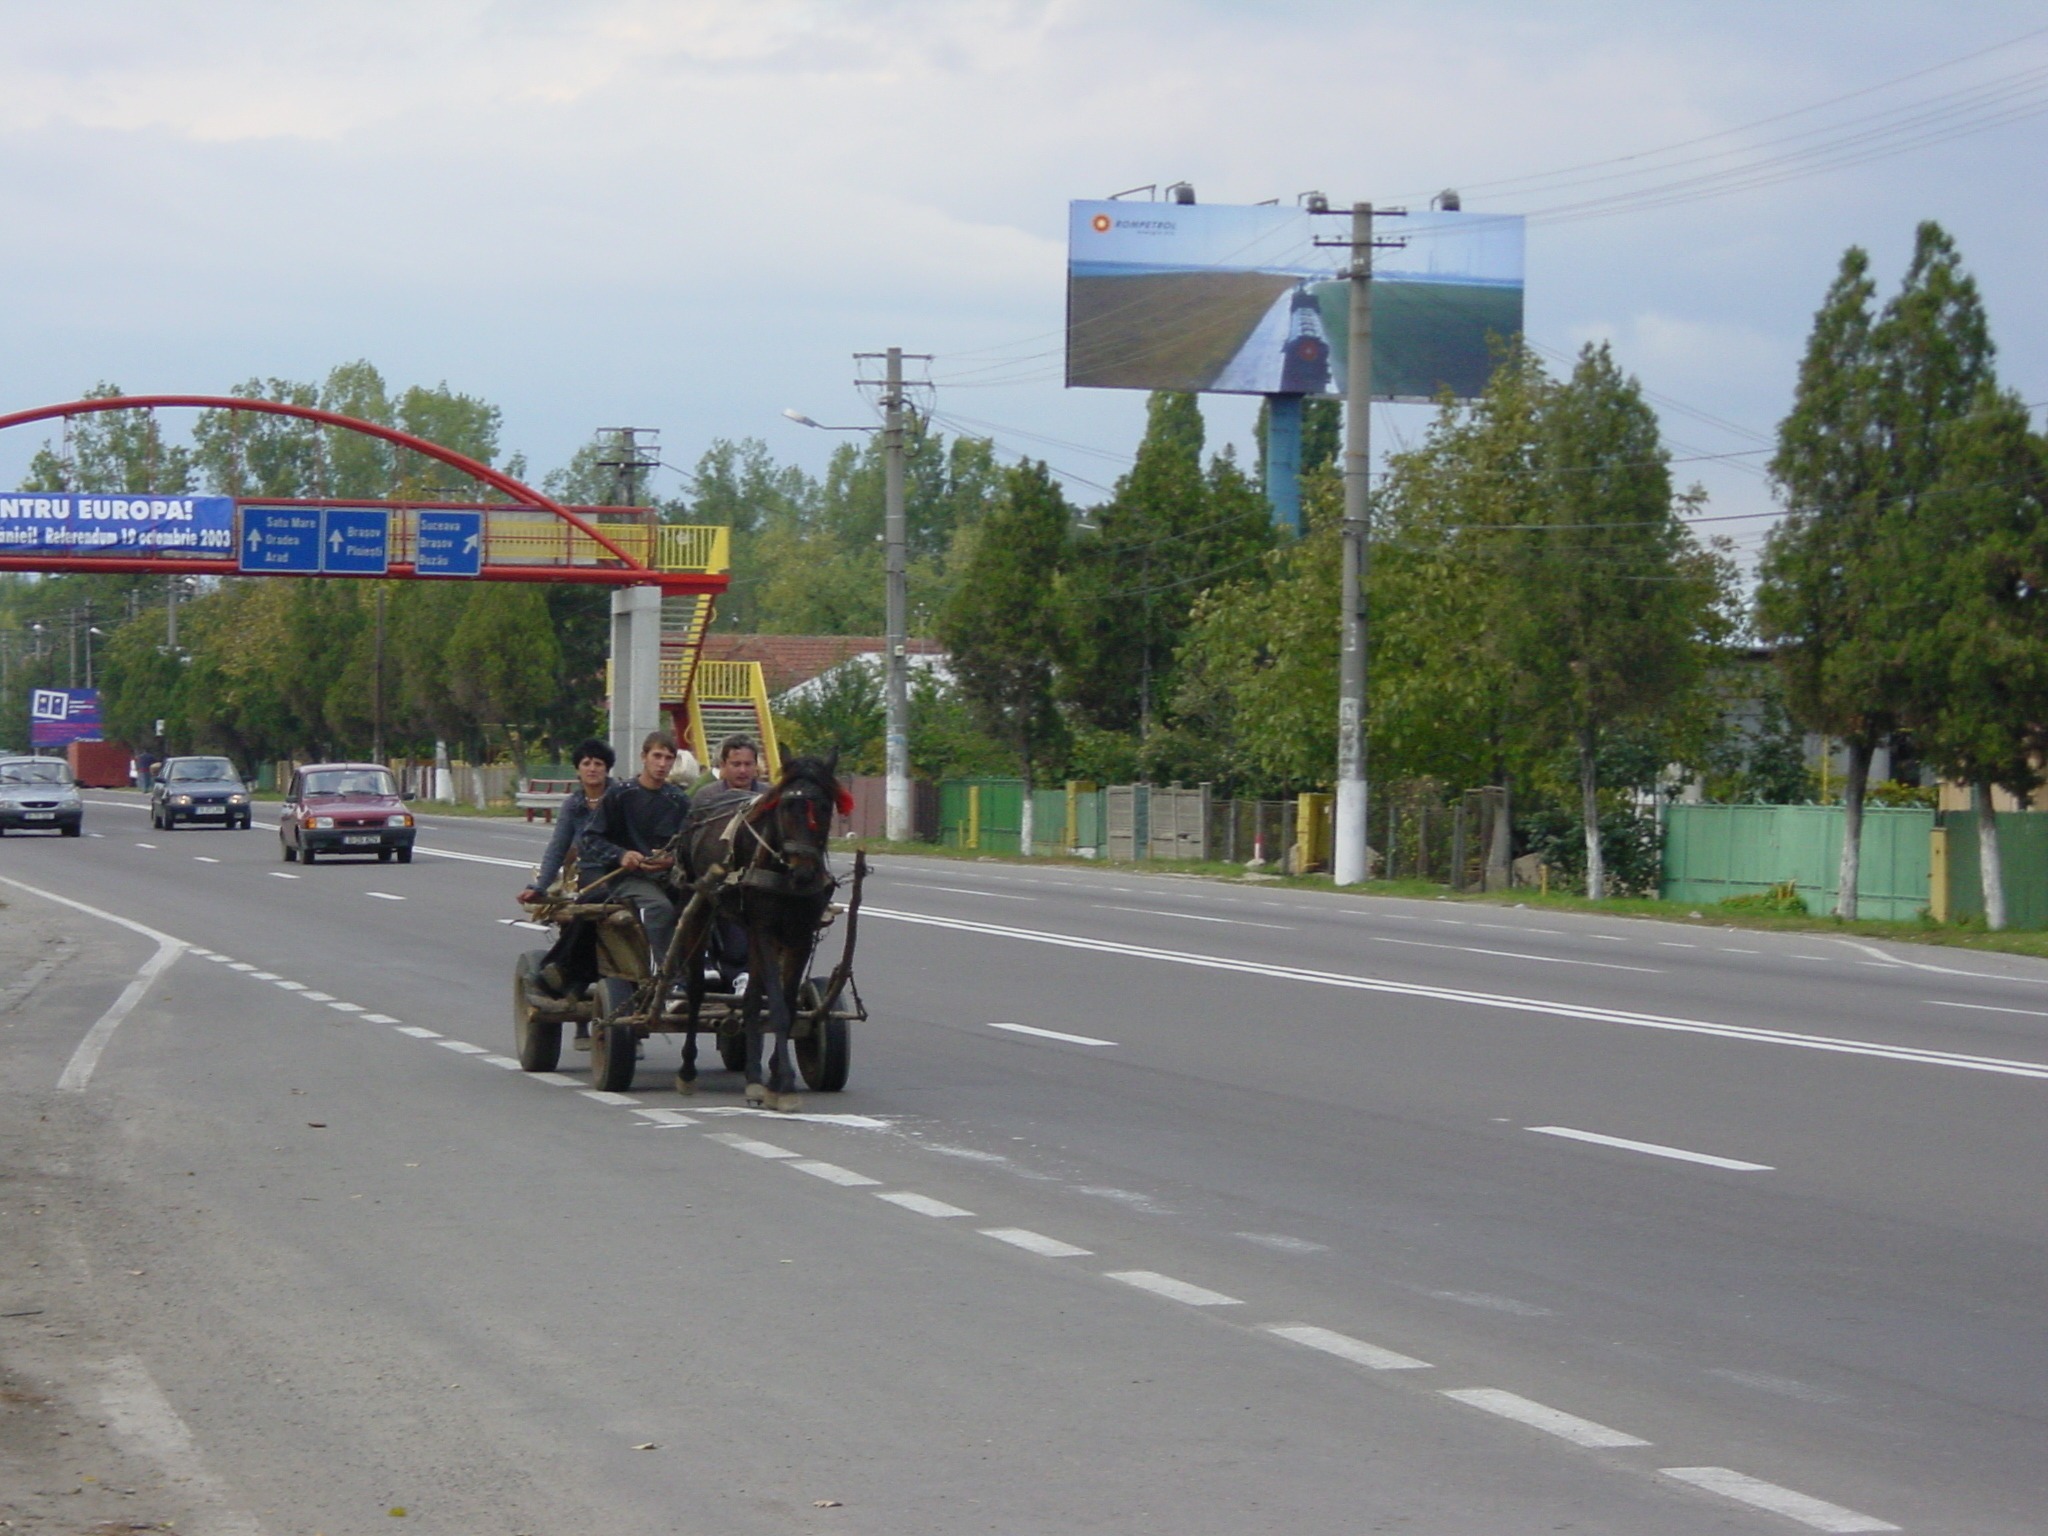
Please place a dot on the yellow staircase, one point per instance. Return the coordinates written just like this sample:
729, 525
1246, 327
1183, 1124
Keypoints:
731, 697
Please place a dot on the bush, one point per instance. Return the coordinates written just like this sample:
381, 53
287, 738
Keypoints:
1779, 898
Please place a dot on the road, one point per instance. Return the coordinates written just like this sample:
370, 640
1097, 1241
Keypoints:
1152, 1205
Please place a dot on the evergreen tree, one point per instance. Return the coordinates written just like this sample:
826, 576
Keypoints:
1821, 572
1001, 627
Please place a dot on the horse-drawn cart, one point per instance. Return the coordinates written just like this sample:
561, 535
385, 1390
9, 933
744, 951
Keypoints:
600, 972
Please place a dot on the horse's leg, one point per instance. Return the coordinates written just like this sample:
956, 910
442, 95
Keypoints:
750, 1015
693, 998
782, 1094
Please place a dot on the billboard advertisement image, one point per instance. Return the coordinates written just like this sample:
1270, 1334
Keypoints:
59, 716
1232, 300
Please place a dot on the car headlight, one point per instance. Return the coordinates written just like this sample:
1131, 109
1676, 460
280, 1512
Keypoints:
238, 799
319, 821
401, 821
181, 799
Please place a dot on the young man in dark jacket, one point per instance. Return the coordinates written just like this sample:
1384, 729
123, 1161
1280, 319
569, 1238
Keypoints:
631, 832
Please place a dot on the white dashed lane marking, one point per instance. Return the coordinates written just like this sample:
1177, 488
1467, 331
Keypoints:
419, 1032
924, 1205
751, 1147
832, 1173
1172, 1289
462, 1046
1817, 1513
1050, 1034
1565, 1426
1035, 1242
1357, 1351
383, 895
1650, 1147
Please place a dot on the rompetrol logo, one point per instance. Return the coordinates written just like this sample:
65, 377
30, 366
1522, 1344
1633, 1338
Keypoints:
1100, 223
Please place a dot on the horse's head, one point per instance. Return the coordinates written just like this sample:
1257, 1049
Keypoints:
795, 817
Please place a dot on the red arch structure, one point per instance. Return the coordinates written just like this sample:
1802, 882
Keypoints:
631, 571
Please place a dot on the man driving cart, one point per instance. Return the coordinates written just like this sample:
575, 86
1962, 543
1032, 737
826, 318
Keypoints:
630, 834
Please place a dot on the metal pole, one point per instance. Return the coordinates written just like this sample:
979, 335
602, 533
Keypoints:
1348, 865
896, 661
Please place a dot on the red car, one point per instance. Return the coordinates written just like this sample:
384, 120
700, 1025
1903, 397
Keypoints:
345, 808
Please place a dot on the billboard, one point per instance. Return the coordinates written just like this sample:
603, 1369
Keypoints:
59, 716
79, 523
1243, 301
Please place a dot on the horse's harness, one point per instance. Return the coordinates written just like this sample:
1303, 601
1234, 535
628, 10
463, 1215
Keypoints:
768, 868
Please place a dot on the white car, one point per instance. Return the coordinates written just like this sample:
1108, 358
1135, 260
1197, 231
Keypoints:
38, 794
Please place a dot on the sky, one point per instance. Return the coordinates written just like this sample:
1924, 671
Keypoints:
689, 216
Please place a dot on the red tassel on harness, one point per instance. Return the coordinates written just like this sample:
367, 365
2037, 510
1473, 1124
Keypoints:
845, 801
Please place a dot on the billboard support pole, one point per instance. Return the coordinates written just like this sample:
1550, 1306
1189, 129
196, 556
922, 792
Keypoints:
1348, 855
896, 661
1283, 461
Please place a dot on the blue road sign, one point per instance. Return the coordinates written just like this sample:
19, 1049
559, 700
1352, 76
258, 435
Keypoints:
280, 539
448, 543
355, 541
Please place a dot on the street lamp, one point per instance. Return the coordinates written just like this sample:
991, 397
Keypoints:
895, 645
90, 631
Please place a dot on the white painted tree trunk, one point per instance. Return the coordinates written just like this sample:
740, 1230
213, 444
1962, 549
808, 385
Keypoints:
1024, 833
1589, 808
1851, 870
1990, 868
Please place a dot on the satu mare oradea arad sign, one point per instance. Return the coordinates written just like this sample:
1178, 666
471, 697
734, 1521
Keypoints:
85, 523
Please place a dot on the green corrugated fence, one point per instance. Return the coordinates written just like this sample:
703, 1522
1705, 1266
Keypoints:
2022, 860
1716, 851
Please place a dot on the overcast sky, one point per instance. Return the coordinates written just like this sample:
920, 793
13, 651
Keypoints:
688, 215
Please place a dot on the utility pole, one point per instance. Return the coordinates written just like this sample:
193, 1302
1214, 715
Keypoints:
1348, 865
896, 644
631, 459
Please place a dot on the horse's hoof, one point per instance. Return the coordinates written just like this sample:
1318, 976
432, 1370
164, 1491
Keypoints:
785, 1103
685, 1085
756, 1093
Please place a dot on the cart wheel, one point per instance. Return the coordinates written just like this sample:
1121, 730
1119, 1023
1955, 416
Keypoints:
612, 1052
540, 1040
732, 1052
823, 1055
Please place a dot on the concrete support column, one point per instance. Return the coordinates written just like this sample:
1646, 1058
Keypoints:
635, 703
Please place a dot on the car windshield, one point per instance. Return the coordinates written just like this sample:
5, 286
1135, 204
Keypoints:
351, 781
201, 770
35, 773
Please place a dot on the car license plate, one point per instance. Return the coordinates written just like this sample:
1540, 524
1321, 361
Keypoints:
38, 815
209, 810
363, 837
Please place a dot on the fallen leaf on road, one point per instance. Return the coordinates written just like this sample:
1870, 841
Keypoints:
826, 1504
647, 1446
316, 1125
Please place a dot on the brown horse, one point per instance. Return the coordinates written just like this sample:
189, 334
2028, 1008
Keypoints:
777, 892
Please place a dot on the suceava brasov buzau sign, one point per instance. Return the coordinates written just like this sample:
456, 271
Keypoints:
85, 523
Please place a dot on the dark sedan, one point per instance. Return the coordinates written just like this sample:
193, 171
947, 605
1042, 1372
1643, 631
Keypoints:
205, 791
345, 808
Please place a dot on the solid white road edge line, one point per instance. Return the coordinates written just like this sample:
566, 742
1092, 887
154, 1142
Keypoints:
139, 1414
1172, 1289
1051, 1034
1650, 1147
1507, 1001
1565, 1426
1357, 1351
1818, 1513
1512, 954
78, 1070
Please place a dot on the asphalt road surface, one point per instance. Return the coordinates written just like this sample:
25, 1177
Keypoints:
1152, 1205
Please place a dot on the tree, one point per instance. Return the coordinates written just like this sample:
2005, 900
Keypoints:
502, 660
1001, 628
1978, 653
1821, 576
1616, 608
1169, 533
